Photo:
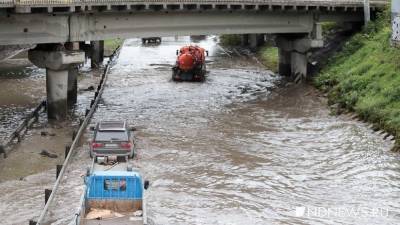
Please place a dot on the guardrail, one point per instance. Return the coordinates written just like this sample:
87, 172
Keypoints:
50, 194
22, 129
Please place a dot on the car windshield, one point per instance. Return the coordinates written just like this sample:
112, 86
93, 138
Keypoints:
111, 136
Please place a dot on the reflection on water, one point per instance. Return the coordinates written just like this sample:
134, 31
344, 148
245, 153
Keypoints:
237, 149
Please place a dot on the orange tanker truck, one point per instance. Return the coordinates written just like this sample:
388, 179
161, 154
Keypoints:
190, 64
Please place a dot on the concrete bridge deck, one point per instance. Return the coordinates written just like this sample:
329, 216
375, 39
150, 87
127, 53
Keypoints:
62, 6
29, 21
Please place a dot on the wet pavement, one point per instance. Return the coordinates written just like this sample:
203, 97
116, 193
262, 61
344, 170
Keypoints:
237, 149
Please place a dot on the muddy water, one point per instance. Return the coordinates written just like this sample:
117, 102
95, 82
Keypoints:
236, 149
25, 173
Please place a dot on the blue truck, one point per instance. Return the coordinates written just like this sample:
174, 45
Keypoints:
114, 194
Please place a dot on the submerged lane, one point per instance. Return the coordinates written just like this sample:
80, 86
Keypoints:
234, 151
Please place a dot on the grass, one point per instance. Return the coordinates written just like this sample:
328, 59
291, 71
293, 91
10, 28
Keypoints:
111, 44
269, 57
364, 77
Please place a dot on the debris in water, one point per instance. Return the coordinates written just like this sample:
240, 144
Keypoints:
46, 133
48, 154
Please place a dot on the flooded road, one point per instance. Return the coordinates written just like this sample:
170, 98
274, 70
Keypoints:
231, 151
236, 149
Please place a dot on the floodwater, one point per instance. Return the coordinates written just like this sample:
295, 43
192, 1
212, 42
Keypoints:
240, 148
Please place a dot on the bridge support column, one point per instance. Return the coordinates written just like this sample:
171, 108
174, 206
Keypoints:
61, 65
285, 61
97, 53
293, 59
244, 39
72, 86
299, 62
72, 76
57, 93
255, 40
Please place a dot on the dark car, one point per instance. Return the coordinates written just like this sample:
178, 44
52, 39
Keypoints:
112, 138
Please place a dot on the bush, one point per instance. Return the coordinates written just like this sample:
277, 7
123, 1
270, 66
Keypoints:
230, 39
269, 57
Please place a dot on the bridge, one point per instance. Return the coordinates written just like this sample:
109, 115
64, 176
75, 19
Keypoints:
53, 21
297, 24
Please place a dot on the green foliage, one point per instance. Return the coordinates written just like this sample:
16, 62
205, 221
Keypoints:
230, 39
112, 44
328, 26
269, 57
365, 76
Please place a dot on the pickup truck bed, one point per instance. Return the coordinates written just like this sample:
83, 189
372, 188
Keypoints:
126, 220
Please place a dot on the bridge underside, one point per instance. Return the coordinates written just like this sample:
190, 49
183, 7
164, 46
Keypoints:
56, 28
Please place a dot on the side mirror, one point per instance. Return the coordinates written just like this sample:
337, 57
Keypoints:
207, 53
146, 184
177, 52
132, 128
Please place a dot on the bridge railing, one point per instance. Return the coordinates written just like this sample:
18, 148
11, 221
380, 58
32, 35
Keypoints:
7, 3
276, 2
46, 2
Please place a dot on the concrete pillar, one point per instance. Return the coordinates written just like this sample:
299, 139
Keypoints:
72, 75
260, 39
298, 67
60, 66
72, 85
253, 42
244, 39
56, 88
395, 23
97, 53
86, 48
293, 57
101, 50
285, 60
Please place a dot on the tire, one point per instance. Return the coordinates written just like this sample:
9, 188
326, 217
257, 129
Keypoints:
174, 73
